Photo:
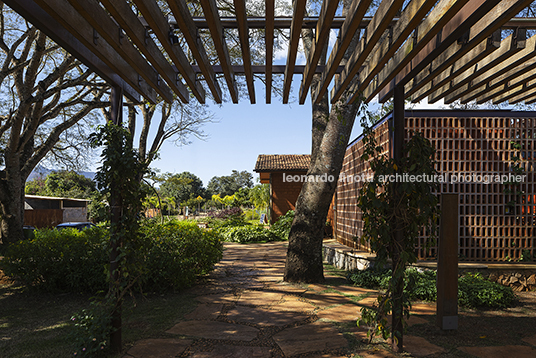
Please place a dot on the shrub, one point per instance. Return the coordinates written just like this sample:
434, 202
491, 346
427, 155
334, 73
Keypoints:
226, 213
177, 252
474, 291
170, 256
247, 234
60, 260
282, 226
251, 214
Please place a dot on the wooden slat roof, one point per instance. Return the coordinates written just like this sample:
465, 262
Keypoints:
446, 49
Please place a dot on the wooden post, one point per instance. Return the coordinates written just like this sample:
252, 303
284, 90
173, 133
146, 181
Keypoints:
398, 128
116, 114
447, 264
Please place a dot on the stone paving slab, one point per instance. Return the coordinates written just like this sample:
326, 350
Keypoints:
314, 337
501, 351
326, 299
342, 313
215, 330
285, 288
228, 298
353, 291
293, 304
368, 301
158, 348
205, 312
259, 298
424, 308
264, 317
420, 347
227, 351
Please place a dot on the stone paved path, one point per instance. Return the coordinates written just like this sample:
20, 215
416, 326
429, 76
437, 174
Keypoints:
245, 310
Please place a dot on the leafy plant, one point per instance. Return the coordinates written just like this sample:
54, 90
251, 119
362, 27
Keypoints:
474, 291
394, 214
248, 234
283, 224
92, 328
60, 260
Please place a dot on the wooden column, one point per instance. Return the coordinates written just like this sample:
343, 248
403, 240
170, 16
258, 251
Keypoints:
116, 114
447, 264
398, 132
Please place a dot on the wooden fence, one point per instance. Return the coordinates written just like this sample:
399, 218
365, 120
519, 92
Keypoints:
497, 220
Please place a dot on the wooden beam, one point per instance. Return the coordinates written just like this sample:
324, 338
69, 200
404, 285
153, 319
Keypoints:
445, 83
69, 18
514, 66
444, 18
160, 27
243, 34
269, 43
511, 92
218, 38
97, 17
528, 99
524, 95
189, 31
419, 91
508, 91
410, 18
473, 43
447, 43
129, 22
59, 34
384, 14
261, 69
357, 10
295, 32
323, 29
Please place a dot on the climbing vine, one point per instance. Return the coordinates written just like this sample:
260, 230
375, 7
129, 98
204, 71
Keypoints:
404, 205
118, 180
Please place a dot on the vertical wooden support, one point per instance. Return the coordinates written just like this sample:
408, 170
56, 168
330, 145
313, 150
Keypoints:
447, 264
398, 126
116, 114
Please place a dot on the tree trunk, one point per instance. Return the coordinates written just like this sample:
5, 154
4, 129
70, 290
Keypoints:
11, 201
331, 132
304, 256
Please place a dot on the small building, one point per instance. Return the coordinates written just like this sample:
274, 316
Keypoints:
275, 169
46, 211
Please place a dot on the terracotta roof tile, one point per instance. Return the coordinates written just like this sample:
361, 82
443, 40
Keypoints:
281, 162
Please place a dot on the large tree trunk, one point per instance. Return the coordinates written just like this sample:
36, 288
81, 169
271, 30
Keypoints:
331, 132
11, 205
304, 256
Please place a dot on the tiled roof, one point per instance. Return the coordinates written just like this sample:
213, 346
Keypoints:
281, 162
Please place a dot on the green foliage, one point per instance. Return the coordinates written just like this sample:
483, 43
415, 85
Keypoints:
474, 291
248, 234
60, 260
282, 226
98, 208
477, 292
228, 185
396, 209
62, 183
170, 256
259, 195
182, 188
91, 329
176, 253
251, 214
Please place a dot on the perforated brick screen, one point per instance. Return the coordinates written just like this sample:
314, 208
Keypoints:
497, 220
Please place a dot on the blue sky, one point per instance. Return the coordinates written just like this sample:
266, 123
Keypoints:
243, 132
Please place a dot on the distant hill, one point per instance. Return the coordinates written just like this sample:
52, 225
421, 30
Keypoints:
42, 172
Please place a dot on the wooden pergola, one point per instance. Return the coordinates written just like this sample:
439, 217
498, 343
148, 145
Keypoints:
451, 50
446, 49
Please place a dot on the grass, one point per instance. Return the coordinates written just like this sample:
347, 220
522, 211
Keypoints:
34, 324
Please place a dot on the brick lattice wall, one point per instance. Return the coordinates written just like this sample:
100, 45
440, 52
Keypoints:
468, 143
